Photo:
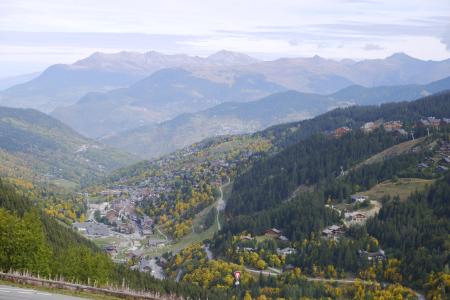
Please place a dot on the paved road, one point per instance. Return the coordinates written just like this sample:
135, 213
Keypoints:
9, 292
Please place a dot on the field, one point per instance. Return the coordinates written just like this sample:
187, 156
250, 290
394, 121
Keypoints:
403, 187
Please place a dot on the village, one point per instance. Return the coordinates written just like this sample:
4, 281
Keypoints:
116, 219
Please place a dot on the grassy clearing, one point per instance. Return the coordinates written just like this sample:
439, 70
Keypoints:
391, 152
403, 187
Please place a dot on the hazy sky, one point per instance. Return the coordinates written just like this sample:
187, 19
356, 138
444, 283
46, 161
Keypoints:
37, 33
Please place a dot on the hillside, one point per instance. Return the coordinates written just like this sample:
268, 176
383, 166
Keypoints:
223, 119
237, 118
34, 243
354, 117
159, 97
38, 148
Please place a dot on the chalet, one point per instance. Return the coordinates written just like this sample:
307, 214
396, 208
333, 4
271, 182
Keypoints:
358, 198
370, 126
373, 256
283, 238
273, 232
429, 122
341, 131
286, 251
392, 126
246, 238
333, 231
355, 217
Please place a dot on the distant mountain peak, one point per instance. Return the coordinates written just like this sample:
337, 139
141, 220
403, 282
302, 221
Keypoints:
227, 57
400, 56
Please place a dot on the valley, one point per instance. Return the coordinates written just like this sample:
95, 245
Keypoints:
184, 177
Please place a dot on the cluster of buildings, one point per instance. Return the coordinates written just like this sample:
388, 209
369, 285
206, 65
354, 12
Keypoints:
393, 126
390, 126
433, 122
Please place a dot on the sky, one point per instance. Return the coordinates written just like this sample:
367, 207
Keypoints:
37, 33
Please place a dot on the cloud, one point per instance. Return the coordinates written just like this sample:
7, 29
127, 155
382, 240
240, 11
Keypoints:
446, 38
372, 47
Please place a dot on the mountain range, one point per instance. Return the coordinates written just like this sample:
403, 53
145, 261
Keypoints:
156, 98
63, 85
152, 103
236, 118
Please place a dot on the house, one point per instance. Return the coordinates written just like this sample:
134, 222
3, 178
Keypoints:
373, 256
422, 166
429, 122
286, 251
333, 231
111, 216
355, 217
446, 160
273, 232
156, 243
392, 126
358, 198
341, 131
370, 126
283, 238
125, 228
441, 169
145, 266
445, 121
146, 231
246, 238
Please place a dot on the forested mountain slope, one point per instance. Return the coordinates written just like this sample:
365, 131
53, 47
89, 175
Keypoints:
31, 241
236, 117
38, 148
436, 105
